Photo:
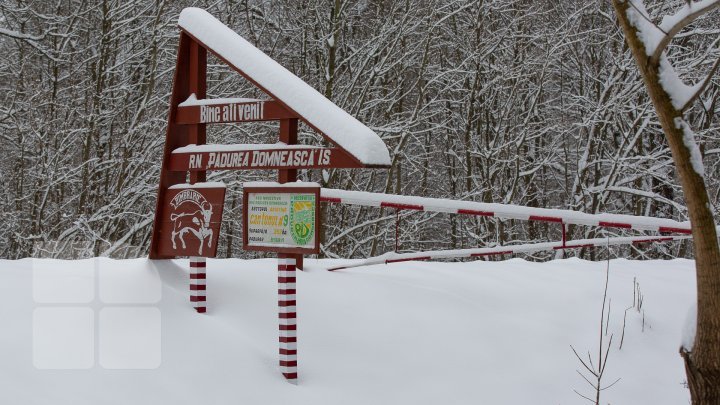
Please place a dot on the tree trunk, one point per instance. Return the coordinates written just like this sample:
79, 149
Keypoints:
702, 361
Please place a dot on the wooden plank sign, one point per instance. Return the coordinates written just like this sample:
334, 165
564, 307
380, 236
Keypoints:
235, 110
257, 156
190, 220
283, 219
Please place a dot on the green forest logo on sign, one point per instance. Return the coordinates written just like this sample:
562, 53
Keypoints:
302, 218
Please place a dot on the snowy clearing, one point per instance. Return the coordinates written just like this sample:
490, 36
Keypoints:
406, 333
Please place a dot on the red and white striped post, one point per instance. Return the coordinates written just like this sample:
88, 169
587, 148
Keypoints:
198, 298
287, 317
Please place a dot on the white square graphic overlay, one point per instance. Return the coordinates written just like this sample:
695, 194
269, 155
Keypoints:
128, 282
130, 338
63, 282
63, 338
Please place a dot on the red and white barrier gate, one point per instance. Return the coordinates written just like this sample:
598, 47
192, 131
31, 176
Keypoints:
505, 211
393, 257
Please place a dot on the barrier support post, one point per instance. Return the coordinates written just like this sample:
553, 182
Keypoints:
198, 297
288, 135
287, 317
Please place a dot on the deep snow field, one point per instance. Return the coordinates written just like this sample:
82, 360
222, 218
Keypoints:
123, 332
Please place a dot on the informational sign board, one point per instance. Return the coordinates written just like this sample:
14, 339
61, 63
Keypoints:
282, 219
191, 220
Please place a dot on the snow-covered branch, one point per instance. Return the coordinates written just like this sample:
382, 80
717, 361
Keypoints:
672, 25
700, 87
656, 38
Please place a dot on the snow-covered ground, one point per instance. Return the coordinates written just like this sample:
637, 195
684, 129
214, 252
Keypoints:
405, 333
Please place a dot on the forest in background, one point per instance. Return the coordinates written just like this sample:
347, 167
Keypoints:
528, 102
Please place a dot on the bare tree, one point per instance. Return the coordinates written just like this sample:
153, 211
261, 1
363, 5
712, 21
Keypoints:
672, 98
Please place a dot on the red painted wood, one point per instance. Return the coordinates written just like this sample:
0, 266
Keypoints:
251, 80
181, 223
226, 113
407, 260
402, 206
476, 212
653, 240
545, 219
288, 135
253, 159
666, 229
176, 135
573, 246
506, 252
198, 86
615, 225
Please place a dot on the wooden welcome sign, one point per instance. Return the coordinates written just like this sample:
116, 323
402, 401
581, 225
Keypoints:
188, 214
290, 100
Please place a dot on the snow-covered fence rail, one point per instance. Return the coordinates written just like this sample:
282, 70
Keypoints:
507, 211
503, 211
393, 257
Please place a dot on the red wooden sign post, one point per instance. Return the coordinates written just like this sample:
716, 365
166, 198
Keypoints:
188, 214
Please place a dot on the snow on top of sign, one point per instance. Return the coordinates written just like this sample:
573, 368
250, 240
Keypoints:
193, 101
193, 148
273, 184
206, 184
344, 129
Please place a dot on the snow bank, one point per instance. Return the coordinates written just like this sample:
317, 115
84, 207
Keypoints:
319, 112
413, 333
